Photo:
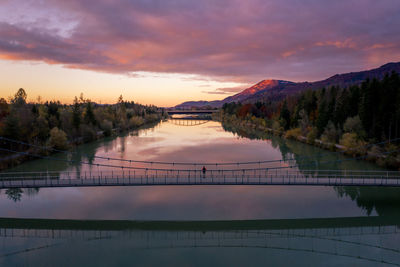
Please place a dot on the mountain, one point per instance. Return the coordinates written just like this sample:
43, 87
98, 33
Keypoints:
260, 87
199, 104
278, 89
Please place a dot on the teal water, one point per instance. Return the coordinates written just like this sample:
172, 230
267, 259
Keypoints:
208, 142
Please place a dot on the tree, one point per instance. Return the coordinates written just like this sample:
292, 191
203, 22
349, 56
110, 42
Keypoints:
285, 115
106, 126
76, 114
89, 115
354, 125
121, 113
330, 134
304, 122
41, 128
353, 144
120, 100
12, 128
58, 139
4, 110
342, 109
323, 117
369, 105
19, 97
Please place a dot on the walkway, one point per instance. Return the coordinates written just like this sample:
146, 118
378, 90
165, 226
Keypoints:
196, 177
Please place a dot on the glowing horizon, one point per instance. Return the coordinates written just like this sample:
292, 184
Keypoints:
65, 83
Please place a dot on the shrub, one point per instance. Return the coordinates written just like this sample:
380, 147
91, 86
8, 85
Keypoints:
88, 133
293, 133
151, 117
330, 134
276, 127
354, 125
353, 144
136, 121
312, 135
58, 139
106, 126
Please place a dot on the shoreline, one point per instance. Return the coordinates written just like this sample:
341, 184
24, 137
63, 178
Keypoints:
379, 160
13, 159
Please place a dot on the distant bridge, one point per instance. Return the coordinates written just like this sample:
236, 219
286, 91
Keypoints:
188, 121
158, 177
189, 111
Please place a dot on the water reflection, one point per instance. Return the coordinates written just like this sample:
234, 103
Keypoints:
305, 157
14, 194
361, 241
384, 202
203, 143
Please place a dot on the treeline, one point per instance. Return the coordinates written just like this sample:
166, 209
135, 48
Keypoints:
351, 117
59, 125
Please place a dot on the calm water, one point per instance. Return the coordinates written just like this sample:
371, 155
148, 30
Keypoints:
209, 142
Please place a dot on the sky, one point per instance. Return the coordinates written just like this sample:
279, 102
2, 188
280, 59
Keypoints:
164, 52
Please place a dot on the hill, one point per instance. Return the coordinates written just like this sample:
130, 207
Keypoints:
278, 89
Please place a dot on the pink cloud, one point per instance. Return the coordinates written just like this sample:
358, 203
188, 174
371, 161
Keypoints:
227, 90
229, 39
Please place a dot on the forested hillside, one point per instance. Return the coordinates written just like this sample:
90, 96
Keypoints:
352, 116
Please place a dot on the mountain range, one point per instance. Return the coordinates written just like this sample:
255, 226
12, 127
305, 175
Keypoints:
278, 89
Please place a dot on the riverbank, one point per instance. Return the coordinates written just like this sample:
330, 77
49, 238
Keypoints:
12, 160
368, 152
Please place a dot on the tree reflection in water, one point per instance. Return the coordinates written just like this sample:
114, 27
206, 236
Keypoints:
385, 201
14, 194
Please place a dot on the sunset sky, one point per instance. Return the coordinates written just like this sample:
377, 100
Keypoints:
166, 52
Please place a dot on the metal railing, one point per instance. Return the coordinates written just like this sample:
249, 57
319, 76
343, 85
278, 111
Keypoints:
197, 177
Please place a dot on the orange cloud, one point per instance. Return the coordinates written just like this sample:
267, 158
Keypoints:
235, 40
348, 43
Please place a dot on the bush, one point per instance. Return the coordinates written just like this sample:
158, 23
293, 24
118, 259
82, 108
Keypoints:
106, 126
330, 134
293, 133
88, 133
276, 127
136, 121
151, 117
354, 125
58, 139
353, 144
312, 135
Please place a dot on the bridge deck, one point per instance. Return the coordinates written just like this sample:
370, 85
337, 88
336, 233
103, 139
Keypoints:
128, 178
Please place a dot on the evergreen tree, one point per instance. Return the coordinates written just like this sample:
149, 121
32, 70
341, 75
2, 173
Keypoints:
89, 115
285, 115
323, 117
76, 114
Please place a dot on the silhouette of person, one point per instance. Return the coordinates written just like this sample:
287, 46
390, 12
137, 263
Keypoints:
204, 171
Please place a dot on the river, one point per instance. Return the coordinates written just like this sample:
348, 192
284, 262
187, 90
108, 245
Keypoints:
207, 142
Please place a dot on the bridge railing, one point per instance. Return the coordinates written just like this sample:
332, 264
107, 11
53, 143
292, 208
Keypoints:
192, 172
157, 177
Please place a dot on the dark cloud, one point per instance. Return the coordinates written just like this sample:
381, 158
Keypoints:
232, 40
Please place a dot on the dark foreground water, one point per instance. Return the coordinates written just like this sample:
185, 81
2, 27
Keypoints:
292, 232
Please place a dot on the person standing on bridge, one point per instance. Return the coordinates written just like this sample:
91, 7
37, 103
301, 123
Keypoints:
204, 171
